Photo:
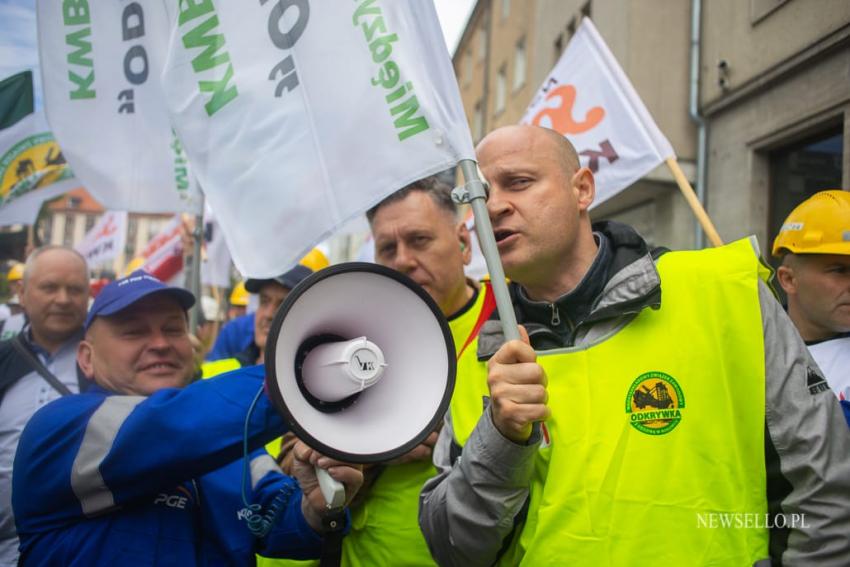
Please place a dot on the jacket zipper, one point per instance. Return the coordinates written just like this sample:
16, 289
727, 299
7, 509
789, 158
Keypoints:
556, 315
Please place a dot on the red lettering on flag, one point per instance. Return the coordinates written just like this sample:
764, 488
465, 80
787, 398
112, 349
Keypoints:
108, 229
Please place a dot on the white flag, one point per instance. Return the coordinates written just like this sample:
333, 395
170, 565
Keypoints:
298, 116
101, 66
106, 239
588, 98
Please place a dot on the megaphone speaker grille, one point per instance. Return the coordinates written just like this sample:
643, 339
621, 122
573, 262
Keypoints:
398, 412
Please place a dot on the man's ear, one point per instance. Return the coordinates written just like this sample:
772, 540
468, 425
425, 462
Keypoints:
465, 240
584, 186
85, 354
787, 279
22, 297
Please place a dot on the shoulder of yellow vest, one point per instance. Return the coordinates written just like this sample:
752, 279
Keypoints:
216, 367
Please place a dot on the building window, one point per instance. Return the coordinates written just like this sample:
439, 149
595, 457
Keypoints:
153, 229
467, 71
47, 229
68, 233
501, 88
506, 9
482, 43
519, 64
800, 170
132, 231
478, 121
90, 220
74, 202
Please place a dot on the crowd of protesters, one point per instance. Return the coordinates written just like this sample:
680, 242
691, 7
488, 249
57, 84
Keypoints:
121, 433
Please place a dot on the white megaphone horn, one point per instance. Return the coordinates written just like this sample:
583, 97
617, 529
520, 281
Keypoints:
361, 363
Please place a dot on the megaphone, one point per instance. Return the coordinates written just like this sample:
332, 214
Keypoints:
361, 364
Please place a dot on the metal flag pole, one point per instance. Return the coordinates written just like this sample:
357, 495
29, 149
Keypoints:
474, 192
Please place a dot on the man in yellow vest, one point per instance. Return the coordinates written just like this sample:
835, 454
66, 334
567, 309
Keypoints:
418, 232
272, 292
657, 412
814, 243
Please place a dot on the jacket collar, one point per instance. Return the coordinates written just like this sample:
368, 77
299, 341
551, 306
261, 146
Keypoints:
629, 284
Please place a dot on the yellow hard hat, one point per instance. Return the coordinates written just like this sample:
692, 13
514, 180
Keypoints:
239, 295
16, 272
819, 225
315, 260
134, 265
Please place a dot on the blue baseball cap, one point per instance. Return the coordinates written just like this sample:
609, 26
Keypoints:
121, 294
288, 280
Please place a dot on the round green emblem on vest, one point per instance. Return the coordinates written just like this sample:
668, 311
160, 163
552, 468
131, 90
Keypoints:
654, 403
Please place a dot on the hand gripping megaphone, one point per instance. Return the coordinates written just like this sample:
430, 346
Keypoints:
361, 364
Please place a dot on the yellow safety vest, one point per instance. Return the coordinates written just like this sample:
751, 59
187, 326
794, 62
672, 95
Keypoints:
385, 527
216, 367
657, 433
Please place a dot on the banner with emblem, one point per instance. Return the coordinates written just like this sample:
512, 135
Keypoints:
101, 64
588, 98
32, 166
299, 115
106, 239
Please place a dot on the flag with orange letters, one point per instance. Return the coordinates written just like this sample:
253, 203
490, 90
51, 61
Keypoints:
588, 98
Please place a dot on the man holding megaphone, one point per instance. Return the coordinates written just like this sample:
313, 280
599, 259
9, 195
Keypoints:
418, 232
661, 409
146, 469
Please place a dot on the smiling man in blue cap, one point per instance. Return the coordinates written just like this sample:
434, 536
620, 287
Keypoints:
147, 470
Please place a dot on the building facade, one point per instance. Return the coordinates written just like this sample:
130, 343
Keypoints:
69, 218
775, 92
771, 86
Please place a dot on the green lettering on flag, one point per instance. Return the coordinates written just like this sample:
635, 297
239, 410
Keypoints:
408, 124
181, 172
79, 57
203, 37
221, 93
208, 58
380, 42
78, 39
75, 12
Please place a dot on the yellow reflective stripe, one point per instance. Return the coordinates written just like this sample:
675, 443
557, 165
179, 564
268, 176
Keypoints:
216, 367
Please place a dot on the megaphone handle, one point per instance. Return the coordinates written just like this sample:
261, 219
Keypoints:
332, 490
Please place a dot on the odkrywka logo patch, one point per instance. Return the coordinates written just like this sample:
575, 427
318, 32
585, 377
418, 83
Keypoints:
654, 403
